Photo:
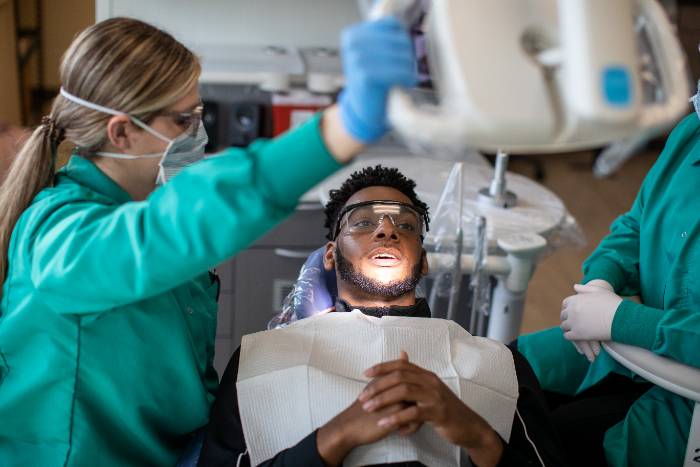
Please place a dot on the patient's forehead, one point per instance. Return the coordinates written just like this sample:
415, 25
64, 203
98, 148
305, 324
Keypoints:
374, 193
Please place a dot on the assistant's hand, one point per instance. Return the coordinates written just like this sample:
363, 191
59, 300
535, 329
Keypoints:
430, 401
591, 349
589, 314
351, 428
601, 283
377, 55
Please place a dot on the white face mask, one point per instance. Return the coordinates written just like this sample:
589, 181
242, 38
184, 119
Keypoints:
182, 151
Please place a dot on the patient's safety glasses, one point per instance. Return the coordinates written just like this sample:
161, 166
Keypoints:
367, 216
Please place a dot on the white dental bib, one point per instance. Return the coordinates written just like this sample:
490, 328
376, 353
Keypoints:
291, 381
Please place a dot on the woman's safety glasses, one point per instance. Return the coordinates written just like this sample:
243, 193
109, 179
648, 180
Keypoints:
367, 216
188, 121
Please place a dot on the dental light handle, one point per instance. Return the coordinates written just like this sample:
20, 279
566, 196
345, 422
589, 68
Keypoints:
402, 111
601, 77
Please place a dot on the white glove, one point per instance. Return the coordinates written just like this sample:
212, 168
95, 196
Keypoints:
591, 349
601, 283
588, 315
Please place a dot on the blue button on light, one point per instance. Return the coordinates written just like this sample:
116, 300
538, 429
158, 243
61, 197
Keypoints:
617, 86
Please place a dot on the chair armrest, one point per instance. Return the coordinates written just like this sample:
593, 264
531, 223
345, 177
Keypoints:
678, 378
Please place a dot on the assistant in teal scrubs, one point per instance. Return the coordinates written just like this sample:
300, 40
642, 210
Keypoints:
652, 251
108, 308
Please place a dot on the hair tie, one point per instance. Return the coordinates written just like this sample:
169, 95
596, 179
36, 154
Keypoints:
55, 134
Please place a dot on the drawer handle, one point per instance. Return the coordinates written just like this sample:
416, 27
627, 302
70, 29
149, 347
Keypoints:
294, 254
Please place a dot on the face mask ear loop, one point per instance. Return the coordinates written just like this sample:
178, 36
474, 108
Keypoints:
107, 110
150, 130
89, 104
128, 157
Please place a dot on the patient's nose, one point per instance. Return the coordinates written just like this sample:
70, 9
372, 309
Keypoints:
386, 228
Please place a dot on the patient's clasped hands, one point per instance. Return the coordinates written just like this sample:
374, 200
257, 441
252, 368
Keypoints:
587, 317
400, 398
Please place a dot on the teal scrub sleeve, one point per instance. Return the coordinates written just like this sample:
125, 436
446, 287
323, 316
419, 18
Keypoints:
616, 260
673, 333
88, 256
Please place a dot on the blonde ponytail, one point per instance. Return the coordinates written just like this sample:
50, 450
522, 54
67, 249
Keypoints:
30, 172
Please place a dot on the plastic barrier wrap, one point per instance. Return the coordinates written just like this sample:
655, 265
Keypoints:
314, 292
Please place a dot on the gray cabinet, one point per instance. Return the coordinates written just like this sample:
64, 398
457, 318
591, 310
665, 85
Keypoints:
255, 282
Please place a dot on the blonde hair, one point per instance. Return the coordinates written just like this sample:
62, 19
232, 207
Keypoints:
121, 63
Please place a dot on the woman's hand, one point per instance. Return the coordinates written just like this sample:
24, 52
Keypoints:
589, 314
591, 348
601, 283
429, 400
376, 55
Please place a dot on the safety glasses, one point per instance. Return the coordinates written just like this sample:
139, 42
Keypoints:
366, 217
186, 120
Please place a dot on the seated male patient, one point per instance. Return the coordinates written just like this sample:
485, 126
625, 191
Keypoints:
376, 225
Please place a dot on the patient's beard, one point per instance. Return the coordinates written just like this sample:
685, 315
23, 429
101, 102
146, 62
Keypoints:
394, 289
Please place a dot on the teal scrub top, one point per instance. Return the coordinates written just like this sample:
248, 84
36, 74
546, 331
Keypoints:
652, 251
108, 313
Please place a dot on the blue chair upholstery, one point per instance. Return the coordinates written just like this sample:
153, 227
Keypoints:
324, 288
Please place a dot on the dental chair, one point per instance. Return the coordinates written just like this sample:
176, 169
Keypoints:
668, 374
314, 292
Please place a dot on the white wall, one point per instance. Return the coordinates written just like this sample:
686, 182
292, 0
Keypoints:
300, 23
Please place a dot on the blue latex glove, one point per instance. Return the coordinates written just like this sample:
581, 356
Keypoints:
377, 55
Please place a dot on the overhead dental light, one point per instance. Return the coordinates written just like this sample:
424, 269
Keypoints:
536, 76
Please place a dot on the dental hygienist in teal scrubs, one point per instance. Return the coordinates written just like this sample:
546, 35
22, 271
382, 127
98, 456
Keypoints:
108, 311
652, 251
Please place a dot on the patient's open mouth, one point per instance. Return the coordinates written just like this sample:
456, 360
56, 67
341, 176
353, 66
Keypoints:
385, 258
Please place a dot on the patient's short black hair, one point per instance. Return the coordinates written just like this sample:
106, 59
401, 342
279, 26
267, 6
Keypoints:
365, 178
